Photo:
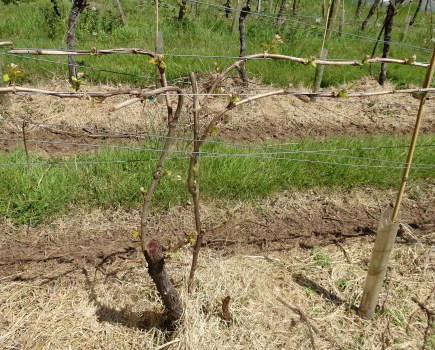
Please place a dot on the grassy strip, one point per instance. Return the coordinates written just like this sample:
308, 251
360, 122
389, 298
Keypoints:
226, 172
34, 24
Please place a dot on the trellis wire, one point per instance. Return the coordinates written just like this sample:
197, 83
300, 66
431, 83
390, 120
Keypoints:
187, 55
214, 156
188, 140
218, 155
78, 65
286, 19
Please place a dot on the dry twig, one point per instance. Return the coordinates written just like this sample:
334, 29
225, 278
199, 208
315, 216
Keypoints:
310, 325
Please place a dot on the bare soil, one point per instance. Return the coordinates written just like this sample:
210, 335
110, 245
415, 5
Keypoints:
83, 123
80, 281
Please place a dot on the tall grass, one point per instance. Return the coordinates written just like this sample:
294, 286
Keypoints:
227, 171
34, 24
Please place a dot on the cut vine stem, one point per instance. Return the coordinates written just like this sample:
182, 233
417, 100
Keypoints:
193, 181
150, 247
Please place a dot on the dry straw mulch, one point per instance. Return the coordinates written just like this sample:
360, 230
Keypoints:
81, 283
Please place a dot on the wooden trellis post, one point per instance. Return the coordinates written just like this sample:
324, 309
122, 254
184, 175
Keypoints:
388, 225
4, 98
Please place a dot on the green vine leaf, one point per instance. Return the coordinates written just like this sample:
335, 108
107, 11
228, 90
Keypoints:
13, 73
76, 83
411, 60
158, 61
190, 238
343, 94
365, 60
275, 46
234, 98
154, 61
214, 129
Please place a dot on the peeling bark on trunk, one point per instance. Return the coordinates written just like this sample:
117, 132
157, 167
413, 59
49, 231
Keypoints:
370, 14
417, 10
227, 9
56, 8
295, 7
359, 7
279, 18
182, 10
388, 24
156, 269
77, 8
242, 28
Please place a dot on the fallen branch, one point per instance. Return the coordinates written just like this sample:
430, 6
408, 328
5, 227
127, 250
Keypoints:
346, 255
430, 318
429, 312
310, 325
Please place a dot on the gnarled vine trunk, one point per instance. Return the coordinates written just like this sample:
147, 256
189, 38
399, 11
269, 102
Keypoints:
370, 14
242, 28
77, 8
388, 25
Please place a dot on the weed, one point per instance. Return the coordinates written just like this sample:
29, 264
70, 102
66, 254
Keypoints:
50, 190
342, 284
322, 259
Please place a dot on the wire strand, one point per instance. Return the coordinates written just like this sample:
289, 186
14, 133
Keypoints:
186, 139
323, 152
216, 156
78, 65
286, 19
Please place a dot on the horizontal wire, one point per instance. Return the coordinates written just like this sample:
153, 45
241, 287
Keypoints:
187, 55
177, 79
279, 92
286, 19
214, 154
77, 65
188, 140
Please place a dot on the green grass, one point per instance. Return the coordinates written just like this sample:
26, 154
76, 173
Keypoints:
34, 24
50, 190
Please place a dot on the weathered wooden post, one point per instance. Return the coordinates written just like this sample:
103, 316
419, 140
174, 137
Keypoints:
4, 98
319, 75
332, 15
342, 18
121, 12
388, 224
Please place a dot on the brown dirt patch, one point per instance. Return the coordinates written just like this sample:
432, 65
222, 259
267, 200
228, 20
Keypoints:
279, 117
80, 281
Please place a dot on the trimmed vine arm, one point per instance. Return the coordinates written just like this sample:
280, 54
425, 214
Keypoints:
193, 181
313, 60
